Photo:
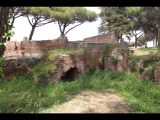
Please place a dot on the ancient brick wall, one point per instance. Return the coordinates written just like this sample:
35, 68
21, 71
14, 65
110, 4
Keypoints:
27, 51
18, 50
41, 46
94, 54
23, 53
76, 44
109, 38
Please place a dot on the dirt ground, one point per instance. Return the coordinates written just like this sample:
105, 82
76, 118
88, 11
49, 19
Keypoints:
94, 102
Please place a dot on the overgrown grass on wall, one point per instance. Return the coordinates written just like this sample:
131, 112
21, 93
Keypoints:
46, 65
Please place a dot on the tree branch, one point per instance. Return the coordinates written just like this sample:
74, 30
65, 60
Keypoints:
43, 23
64, 27
73, 27
141, 35
29, 20
59, 26
18, 16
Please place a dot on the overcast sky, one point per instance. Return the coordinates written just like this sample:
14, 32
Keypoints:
51, 30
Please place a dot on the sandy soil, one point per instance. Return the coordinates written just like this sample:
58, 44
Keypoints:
94, 102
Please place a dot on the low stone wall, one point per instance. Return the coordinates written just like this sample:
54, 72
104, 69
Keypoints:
76, 44
116, 60
94, 55
31, 49
109, 38
41, 46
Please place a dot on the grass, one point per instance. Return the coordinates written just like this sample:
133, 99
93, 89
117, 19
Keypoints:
22, 95
46, 66
150, 60
145, 51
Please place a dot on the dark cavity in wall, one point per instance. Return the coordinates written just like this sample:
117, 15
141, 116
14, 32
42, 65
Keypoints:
70, 75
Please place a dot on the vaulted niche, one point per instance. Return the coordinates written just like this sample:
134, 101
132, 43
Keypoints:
70, 75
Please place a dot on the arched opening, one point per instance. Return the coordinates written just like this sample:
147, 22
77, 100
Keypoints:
70, 75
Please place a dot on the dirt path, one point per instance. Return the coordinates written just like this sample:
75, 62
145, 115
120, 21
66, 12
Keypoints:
94, 102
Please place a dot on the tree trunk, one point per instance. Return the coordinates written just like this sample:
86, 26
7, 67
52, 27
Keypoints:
31, 33
62, 34
119, 38
4, 12
136, 40
158, 37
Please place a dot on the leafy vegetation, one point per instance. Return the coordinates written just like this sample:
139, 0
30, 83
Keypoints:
38, 16
137, 22
75, 16
46, 65
107, 50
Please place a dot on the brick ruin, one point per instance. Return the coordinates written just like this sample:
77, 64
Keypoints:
109, 38
19, 54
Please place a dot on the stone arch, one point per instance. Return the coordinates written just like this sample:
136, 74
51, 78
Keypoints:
70, 75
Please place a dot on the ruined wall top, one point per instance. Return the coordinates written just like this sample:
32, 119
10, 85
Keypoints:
109, 38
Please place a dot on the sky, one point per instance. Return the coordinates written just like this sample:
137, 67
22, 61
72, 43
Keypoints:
51, 30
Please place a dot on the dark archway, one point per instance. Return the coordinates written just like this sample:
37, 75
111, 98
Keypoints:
70, 75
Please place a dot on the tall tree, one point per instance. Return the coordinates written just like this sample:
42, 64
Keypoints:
153, 17
75, 16
4, 14
137, 35
133, 14
114, 19
38, 16
138, 20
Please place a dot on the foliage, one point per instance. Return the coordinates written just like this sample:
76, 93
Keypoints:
108, 50
9, 26
114, 19
1, 69
16, 13
114, 60
66, 16
38, 16
131, 21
